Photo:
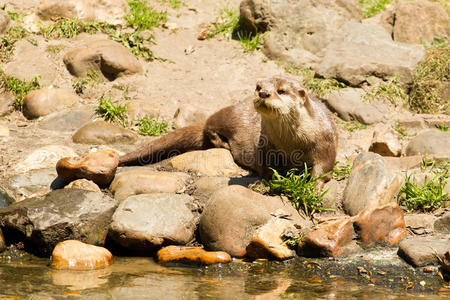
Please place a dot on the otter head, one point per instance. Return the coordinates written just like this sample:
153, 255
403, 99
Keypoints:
279, 96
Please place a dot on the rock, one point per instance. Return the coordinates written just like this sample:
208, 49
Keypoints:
108, 57
256, 15
109, 11
146, 222
429, 142
267, 243
30, 61
66, 121
6, 104
140, 109
44, 157
61, 215
386, 142
442, 224
421, 251
145, 181
100, 167
189, 114
329, 239
191, 255
75, 255
206, 186
380, 225
219, 232
212, 162
350, 57
403, 163
101, 132
2, 242
4, 131
420, 224
83, 184
4, 21
420, 21
370, 184
349, 105
42, 102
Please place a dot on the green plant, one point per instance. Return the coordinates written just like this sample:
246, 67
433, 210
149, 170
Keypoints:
18, 87
341, 172
148, 126
249, 41
54, 49
442, 127
396, 126
390, 91
112, 112
175, 3
351, 125
135, 43
141, 16
226, 24
7, 41
15, 16
70, 28
291, 242
372, 7
299, 187
81, 83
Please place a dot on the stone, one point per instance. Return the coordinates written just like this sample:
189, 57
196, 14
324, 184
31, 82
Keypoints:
420, 224
110, 58
380, 225
145, 181
429, 142
189, 114
66, 121
330, 239
419, 21
212, 162
421, 251
99, 166
403, 163
76, 255
350, 57
4, 131
6, 103
83, 184
349, 105
30, 61
140, 109
370, 184
386, 142
146, 222
44, 157
267, 243
2, 242
205, 186
102, 132
63, 214
44, 101
4, 21
191, 255
234, 213
442, 224
256, 15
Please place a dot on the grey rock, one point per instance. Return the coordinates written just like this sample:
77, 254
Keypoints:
442, 224
66, 121
101, 132
147, 222
370, 184
420, 223
421, 251
4, 21
429, 142
61, 215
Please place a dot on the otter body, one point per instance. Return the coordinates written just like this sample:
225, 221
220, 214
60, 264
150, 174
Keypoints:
283, 128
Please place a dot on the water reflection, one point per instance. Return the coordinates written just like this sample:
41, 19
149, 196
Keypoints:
80, 280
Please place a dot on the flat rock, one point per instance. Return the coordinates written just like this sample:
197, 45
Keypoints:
66, 121
76, 255
420, 224
370, 184
101, 132
429, 142
212, 162
191, 255
140, 109
42, 102
83, 184
205, 186
45, 157
99, 166
4, 21
403, 163
61, 215
422, 251
189, 114
234, 213
144, 181
386, 142
146, 222
442, 224
330, 239
110, 58
380, 225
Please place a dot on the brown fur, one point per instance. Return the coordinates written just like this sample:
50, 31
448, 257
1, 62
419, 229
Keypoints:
283, 128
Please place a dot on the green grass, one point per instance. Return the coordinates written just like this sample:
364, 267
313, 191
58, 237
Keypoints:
351, 125
8, 41
135, 43
15, 16
389, 91
54, 49
175, 4
112, 112
373, 7
148, 126
81, 83
341, 171
142, 16
299, 187
442, 127
19, 88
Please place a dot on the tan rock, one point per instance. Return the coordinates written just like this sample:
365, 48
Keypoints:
381, 225
212, 162
422, 251
420, 223
429, 142
101, 132
141, 109
44, 157
4, 131
145, 181
42, 102
403, 163
100, 167
386, 142
83, 184
76, 255
4, 21
189, 114
6, 103
191, 255
329, 239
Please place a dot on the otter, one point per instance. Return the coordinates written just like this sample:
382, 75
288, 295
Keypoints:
284, 127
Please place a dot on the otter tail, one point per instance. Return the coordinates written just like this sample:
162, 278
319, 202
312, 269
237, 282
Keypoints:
179, 141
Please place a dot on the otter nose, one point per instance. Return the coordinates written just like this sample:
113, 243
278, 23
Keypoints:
263, 95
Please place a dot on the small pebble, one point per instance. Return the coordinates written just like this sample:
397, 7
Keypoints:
422, 283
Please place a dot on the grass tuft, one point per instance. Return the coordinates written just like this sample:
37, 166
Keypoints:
351, 125
372, 7
112, 112
390, 91
340, 171
81, 83
19, 88
143, 17
442, 127
148, 126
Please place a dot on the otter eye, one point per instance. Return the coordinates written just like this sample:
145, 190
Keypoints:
281, 92
258, 88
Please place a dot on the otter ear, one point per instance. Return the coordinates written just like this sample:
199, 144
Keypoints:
302, 93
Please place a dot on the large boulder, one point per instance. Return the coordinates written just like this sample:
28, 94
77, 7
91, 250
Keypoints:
234, 213
61, 215
429, 142
101, 132
42, 102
